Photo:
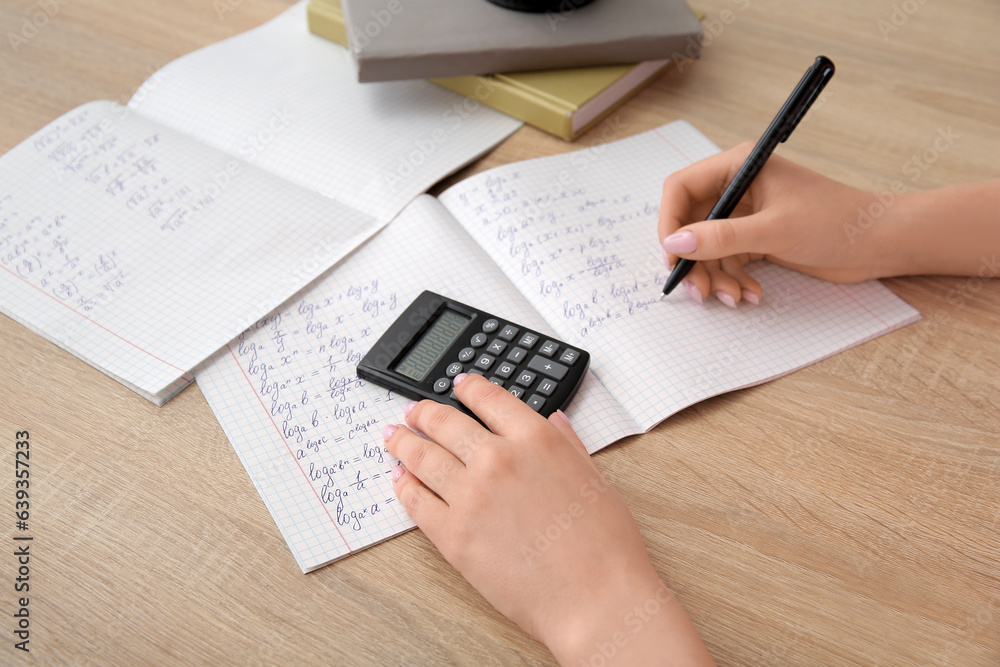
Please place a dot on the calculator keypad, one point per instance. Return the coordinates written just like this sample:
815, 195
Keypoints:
548, 367
525, 378
546, 387
569, 356
497, 347
517, 355
508, 332
536, 402
528, 370
548, 348
506, 369
528, 341
485, 361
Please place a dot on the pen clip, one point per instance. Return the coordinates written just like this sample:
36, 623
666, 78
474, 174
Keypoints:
816, 78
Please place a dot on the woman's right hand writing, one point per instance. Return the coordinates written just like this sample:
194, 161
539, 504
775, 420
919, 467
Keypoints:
790, 216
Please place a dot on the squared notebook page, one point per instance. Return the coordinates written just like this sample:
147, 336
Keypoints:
289, 102
577, 234
142, 251
308, 431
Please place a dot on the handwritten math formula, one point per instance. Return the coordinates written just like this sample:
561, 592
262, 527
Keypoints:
300, 362
574, 248
51, 242
122, 165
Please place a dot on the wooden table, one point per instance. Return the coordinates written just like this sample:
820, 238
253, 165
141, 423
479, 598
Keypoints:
846, 514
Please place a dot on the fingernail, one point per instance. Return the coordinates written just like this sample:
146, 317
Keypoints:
663, 254
692, 291
408, 408
397, 472
681, 242
726, 299
459, 378
751, 297
563, 415
388, 431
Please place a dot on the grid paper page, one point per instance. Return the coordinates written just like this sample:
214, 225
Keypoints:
289, 102
577, 235
308, 431
142, 251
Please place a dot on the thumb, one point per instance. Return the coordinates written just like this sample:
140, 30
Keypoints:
714, 239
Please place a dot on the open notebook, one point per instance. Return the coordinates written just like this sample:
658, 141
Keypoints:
565, 245
143, 237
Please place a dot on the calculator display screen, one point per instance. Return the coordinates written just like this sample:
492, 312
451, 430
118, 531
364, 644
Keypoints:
428, 351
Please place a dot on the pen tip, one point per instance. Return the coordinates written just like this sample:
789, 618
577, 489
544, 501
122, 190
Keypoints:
663, 297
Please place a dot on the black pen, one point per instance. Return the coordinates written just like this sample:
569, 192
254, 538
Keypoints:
780, 129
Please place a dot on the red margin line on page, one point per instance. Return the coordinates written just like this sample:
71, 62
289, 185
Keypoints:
95, 323
284, 440
674, 146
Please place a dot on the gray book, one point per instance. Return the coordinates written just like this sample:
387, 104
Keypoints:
420, 39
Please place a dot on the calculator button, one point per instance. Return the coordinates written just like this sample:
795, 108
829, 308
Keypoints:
549, 348
478, 340
525, 378
528, 340
496, 381
466, 355
551, 368
490, 325
517, 355
485, 361
497, 347
546, 387
506, 369
442, 385
453, 369
518, 392
569, 356
508, 332
536, 402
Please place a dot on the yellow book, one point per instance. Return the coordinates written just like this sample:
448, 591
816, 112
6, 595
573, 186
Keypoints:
565, 102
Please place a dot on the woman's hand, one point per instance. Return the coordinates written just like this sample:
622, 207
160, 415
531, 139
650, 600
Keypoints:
525, 515
790, 216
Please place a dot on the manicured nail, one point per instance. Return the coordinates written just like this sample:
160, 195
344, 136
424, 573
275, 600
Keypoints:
666, 260
397, 472
681, 242
726, 299
408, 408
692, 291
563, 415
751, 297
388, 431
459, 378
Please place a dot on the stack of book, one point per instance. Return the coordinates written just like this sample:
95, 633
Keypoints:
564, 102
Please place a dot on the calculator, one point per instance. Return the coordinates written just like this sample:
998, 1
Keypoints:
436, 338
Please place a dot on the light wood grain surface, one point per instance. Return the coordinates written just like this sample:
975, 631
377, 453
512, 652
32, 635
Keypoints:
845, 514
